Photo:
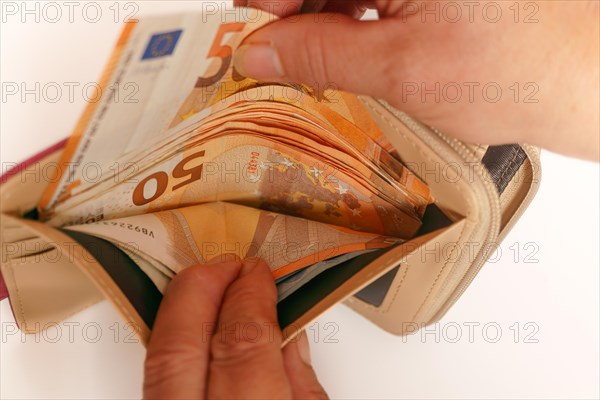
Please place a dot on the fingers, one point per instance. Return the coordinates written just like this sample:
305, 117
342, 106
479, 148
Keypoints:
303, 380
331, 51
246, 348
185, 360
178, 352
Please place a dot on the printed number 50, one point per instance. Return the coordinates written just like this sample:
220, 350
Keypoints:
162, 180
224, 52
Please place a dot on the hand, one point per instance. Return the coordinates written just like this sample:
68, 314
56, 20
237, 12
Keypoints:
484, 72
216, 335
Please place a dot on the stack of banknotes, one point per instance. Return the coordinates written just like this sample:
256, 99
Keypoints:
181, 159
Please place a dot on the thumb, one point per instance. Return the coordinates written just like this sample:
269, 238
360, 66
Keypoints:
322, 51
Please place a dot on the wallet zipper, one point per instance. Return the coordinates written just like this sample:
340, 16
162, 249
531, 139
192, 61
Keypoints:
493, 230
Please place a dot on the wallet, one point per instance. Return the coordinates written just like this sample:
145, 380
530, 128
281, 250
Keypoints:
480, 192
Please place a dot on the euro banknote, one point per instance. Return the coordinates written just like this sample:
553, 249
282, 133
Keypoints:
193, 235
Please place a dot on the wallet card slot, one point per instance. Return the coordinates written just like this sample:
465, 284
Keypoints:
311, 293
40, 277
375, 293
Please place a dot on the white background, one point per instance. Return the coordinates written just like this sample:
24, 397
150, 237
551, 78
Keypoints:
553, 299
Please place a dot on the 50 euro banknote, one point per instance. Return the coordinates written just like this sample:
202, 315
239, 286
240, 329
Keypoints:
252, 171
163, 58
193, 235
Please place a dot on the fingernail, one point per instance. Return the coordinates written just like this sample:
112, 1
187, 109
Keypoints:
259, 61
304, 349
248, 266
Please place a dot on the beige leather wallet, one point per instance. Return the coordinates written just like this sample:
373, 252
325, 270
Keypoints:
480, 192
